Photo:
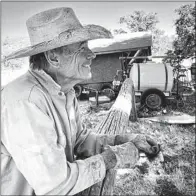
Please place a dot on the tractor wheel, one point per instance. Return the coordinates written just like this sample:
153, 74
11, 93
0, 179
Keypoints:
153, 99
109, 93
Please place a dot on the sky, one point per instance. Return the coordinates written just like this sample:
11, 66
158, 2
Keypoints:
14, 14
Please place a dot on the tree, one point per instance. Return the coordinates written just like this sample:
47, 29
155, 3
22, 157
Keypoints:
161, 42
184, 44
119, 31
141, 21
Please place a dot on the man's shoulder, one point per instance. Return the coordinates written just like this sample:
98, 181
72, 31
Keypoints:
20, 88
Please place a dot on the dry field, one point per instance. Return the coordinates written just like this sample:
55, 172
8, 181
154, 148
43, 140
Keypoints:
176, 175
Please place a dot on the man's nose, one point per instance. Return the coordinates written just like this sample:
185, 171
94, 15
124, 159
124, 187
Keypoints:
90, 54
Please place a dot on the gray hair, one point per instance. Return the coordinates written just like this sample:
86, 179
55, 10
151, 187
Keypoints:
38, 61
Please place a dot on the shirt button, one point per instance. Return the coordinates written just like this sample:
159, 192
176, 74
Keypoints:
60, 93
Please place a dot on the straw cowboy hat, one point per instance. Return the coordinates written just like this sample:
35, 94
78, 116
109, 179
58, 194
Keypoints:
55, 28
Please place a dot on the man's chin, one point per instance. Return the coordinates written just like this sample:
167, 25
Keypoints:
89, 76
86, 77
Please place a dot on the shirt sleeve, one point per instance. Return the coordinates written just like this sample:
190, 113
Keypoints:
89, 143
30, 137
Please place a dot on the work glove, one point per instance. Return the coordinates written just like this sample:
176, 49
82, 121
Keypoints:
143, 143
120, 156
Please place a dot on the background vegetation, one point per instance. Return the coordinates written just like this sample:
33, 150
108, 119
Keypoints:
181, 44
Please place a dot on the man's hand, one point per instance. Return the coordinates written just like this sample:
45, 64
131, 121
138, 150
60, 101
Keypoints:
142, 142
120, 156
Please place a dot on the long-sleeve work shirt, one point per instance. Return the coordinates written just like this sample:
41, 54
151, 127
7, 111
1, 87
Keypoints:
41, 135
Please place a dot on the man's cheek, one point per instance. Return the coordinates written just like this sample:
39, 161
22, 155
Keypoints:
75, 58
74, 65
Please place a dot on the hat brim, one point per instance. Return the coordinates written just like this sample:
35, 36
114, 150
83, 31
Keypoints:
88, 32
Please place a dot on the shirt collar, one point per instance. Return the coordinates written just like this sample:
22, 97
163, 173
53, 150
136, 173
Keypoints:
48, 83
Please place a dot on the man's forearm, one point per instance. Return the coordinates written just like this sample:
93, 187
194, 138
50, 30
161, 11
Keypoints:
94, 144
109, 159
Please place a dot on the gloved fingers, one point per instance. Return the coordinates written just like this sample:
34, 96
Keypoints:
151, 141
147, 145
155, 147
144, 146
150, 150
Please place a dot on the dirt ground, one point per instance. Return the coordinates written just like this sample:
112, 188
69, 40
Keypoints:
174, 176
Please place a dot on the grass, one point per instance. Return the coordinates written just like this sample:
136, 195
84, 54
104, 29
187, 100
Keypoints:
176, 175
173, 177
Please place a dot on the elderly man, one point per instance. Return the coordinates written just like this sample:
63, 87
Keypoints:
42, 136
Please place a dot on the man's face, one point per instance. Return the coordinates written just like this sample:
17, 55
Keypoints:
75, 61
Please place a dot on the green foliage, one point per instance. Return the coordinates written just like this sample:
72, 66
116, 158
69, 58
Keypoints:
185, 29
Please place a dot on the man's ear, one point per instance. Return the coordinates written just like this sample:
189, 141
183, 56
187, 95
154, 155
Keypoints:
52, 58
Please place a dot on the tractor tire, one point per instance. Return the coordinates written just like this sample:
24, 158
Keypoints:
153, 99
109, 93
